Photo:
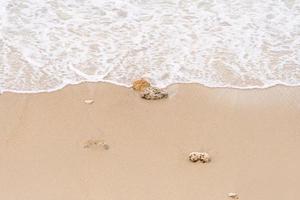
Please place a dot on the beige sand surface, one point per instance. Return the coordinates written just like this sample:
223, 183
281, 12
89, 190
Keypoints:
253, 137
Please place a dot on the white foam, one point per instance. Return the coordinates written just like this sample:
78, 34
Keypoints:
46, 45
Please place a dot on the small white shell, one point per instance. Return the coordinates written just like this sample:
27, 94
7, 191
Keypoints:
233, 195
89, 101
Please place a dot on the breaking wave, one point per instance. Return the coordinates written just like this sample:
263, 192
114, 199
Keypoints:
46, 45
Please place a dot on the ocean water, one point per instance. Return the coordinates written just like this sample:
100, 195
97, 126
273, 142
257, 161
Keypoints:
48, 44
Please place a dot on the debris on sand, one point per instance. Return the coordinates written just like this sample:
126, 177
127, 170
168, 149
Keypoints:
153, 93
204, 157
147, 91
94, 144
194, 156
89, 101
105, 146
199, 156
140, 85
233, 195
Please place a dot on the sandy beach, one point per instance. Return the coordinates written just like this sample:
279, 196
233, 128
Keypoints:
252, 136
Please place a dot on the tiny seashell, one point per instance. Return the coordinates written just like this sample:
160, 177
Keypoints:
140, 85
233, 195
89, 101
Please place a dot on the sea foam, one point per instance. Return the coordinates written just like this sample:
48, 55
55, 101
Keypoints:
46, 45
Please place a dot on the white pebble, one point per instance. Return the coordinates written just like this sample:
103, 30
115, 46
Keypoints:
233, 195
89, 101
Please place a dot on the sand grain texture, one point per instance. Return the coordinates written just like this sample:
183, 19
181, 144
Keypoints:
253, 137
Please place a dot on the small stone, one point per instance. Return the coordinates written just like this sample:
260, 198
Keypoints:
233, 195
96, 144
194, 156
91, 143
89, 101
153, 93
199, 156
204, 157
140, 85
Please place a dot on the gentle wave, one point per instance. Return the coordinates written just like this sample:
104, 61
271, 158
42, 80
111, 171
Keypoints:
46, 45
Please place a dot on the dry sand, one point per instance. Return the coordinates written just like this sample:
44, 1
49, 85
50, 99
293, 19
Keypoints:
252, 136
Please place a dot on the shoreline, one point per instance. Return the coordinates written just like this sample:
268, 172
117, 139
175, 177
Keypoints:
279, 84
252, 136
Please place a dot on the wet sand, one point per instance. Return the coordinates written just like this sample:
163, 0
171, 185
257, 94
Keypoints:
252, 136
